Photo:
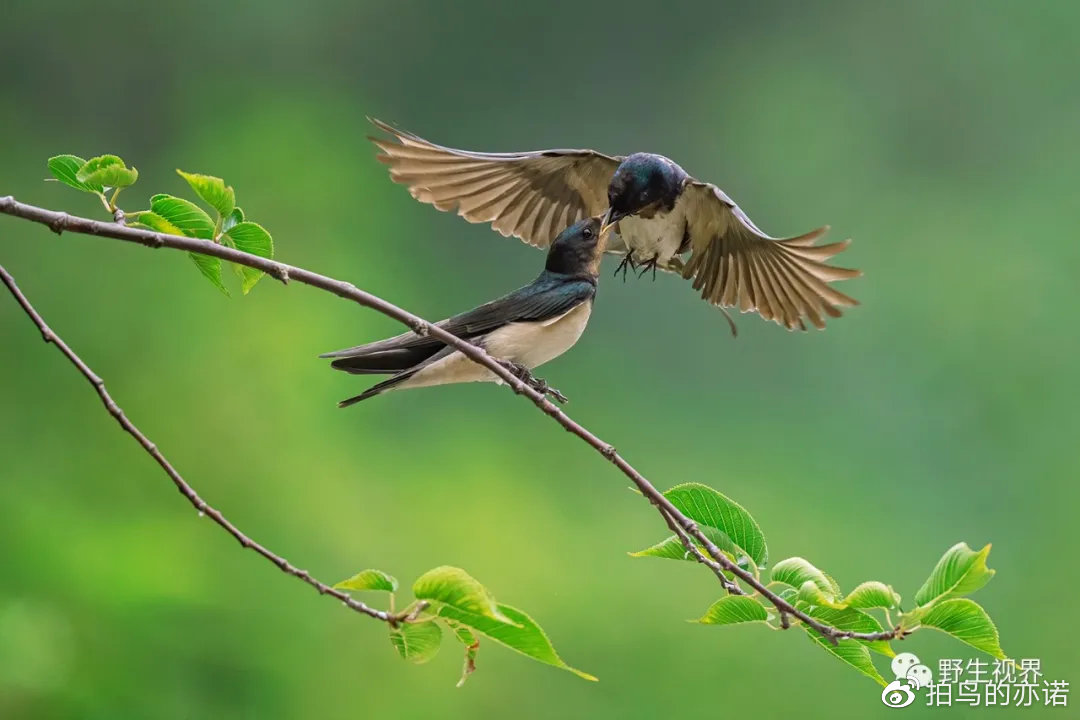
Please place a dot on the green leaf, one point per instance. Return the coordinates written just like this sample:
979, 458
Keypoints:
960, 571
152, 221
524, 636
184, 214
472, 647
850, 652
853, 652
706, 506
966, 621
811, 594
671, 548
796, 570
787, 593
106, 170
417, 642
462, 633
95, 164
369, 580
732, 610
854, 620
459, 589
211, 268
233, 219
65, 169
910, 620
251, 238
873, 594
212, 190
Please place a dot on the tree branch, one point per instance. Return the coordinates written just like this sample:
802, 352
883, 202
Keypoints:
49, 336
686, 529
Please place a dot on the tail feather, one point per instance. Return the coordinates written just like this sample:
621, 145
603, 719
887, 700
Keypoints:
384, 362
404, 341
376, 389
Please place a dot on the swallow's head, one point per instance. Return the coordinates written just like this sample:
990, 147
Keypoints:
577, 248
644, 183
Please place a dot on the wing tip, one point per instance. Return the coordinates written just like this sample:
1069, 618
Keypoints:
400, 135
334, 354
838, 273
808, 238
380, 124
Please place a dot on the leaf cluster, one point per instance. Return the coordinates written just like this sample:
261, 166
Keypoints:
870, 607
225, 224
448, 597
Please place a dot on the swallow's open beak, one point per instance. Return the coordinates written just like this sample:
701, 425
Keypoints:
610, 218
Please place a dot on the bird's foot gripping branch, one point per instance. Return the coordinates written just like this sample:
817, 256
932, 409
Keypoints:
706, 526
540, 385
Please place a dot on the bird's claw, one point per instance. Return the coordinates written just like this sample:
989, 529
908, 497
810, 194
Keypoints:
540, 385
650, 264
515, 369
626, 263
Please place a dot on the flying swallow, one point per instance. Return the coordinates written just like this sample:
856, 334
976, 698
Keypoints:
662, 217
525, 329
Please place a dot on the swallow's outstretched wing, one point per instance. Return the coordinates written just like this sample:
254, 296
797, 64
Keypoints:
530, 195
734, 264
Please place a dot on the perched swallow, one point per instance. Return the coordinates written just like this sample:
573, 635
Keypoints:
660, 214
524, 329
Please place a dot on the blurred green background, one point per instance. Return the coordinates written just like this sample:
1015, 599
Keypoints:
942, 137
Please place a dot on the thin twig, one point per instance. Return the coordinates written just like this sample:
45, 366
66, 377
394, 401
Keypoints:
59, 222
691, 547
49, 336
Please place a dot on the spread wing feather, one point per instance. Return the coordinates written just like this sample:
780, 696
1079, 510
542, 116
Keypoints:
734, 264
530, 195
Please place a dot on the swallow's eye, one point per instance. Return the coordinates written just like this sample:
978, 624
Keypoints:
587, 232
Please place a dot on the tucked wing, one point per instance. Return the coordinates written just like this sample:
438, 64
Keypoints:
545, 299
530, 195
734, 264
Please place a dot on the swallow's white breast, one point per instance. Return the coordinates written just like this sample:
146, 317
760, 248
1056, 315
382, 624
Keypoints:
527, 343
658, 236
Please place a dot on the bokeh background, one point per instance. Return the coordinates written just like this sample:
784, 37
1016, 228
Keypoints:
942, 137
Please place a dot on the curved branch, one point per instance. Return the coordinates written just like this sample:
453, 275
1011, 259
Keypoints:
686, 529
49, 336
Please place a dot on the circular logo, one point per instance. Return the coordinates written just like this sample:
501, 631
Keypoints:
897, 694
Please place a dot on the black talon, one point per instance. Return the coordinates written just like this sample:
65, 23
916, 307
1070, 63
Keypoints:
650, 264
627, 262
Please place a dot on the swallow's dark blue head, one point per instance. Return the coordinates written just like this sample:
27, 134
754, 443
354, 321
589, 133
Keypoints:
644, 182
577, 249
